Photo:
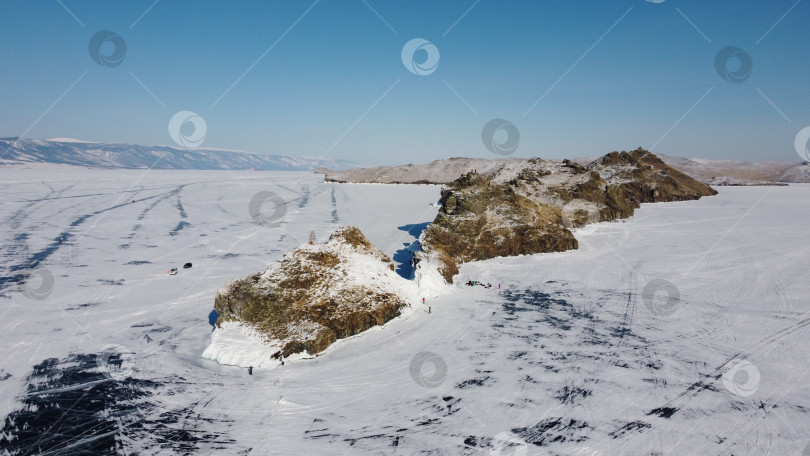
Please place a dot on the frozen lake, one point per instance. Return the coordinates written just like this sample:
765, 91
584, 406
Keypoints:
575, 354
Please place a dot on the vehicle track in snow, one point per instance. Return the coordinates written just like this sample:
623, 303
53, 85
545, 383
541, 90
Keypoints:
19, 271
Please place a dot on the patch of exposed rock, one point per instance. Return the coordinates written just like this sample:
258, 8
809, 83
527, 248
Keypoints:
318, 294
528, 209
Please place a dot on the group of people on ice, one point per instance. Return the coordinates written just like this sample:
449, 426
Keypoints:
472, 283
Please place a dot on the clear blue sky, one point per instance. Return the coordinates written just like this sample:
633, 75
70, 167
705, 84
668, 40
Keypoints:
309, 93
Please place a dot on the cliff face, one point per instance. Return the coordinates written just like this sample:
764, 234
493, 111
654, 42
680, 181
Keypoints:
528, 209
318, 294
481, 219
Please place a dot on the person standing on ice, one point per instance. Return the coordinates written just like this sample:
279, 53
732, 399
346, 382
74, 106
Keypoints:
250, 370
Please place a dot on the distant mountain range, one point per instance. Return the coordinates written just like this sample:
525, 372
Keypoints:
737, 172
712, 172
72, 152
132, 156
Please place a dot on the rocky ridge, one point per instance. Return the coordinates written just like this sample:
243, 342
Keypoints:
529, 210
712, 172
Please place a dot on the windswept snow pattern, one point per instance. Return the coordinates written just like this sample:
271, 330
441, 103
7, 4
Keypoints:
566, 353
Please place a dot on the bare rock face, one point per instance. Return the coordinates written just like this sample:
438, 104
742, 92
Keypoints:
481, 219
318, 294
528, 209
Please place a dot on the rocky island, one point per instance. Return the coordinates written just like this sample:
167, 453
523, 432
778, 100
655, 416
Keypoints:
320, 293
529, 209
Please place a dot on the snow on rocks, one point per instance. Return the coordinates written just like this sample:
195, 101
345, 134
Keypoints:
319, 293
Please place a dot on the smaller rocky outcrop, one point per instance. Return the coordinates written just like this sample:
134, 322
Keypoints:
318, 294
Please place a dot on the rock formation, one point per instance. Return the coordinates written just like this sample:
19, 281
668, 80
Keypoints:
318, 294
481, 219
529, 208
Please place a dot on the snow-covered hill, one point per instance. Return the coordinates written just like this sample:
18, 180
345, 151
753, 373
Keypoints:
717, 172
435, 172
73, 152
738, 172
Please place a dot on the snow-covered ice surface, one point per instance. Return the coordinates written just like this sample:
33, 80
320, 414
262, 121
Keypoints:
568, 357
236, 344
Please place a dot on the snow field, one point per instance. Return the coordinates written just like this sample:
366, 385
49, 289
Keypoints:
571, 356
